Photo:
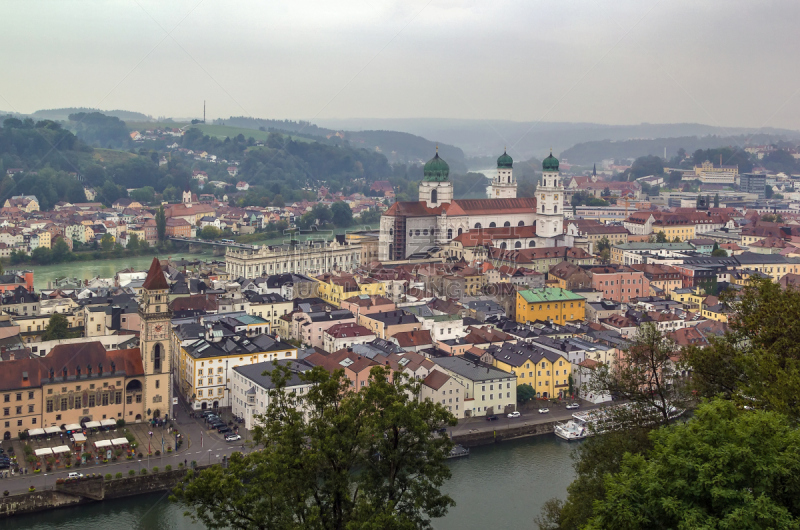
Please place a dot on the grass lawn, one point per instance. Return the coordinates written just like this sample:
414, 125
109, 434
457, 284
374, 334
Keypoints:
111, 156
223, 131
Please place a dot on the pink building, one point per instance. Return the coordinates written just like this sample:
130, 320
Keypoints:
310, 328
620, 284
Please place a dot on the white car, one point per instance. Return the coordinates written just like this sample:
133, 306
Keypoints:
544, 411
75, 475
232, 437
514, 414
573, 406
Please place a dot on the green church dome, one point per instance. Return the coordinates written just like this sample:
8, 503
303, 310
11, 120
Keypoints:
550, 163
505, 161
436, 169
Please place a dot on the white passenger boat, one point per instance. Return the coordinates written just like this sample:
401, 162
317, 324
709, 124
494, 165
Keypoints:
571, 430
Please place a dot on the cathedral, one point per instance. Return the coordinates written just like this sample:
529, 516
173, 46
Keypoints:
414, 229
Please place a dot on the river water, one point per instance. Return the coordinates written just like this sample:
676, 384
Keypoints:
497, 486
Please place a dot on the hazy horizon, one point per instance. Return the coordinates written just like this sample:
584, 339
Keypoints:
625, 63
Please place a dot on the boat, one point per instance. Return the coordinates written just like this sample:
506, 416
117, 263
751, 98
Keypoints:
571, 430
458, 451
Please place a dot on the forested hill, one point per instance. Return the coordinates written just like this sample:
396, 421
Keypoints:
63, 114
398, 147
587, 153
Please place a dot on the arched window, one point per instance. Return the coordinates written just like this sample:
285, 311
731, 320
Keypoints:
157, 356
425, 232
492, 225
417, 233
435, 196
450, 233
503, 245
391, 231
521, 223
477, 225
518, 245
555, 209
532, 244
507, 223
459, 231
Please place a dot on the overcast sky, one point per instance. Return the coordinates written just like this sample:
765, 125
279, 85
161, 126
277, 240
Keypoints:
721, 62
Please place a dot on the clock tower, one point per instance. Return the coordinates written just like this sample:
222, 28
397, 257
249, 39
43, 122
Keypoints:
155, 342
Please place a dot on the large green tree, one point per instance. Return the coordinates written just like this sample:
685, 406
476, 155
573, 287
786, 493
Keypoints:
57, 328
341, 214
161, 223
332, 458
722, 469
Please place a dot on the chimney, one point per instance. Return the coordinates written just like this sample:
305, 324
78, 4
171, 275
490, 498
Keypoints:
113, 367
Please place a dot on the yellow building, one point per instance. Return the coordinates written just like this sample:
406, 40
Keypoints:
44, 239
269, 307
684, 232
204, 365
334, 289
546, 371
550, 304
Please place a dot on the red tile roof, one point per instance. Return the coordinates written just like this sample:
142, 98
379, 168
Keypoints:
155, 277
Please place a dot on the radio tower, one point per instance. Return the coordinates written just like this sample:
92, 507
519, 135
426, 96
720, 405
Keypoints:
204, 111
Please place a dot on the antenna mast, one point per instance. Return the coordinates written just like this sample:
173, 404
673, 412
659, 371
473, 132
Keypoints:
204, 111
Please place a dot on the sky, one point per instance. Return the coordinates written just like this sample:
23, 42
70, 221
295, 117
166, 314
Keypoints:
718, 62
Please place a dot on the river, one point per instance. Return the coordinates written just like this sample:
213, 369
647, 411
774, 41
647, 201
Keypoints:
497, 486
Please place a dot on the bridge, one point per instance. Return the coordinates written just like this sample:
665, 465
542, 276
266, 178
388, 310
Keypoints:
218, 243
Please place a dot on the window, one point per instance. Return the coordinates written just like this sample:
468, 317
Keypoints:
118, 398
49, 405
129, 399
30, 395
91, 400
6, 411
63, 403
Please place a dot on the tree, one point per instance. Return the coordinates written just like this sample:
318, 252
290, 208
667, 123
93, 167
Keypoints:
719, 253
57, 328
646, 377
525, 393
571, 383
278, 200
603, 244
210, 232
107, 242
341, 214
333, 458
661, 237
161, 223
716, 200
677, 239
758, 363
722, 469
133, 243
644, 166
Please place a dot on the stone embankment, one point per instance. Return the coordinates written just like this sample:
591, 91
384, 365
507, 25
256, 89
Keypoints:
485, 437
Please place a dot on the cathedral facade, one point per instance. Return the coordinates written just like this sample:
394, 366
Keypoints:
412, 229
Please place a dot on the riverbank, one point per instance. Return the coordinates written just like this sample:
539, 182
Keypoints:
91, 489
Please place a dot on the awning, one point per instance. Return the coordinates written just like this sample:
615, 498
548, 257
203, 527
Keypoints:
108, 423
79, 437
61, 449
102, 443
35, 432
92, 424
52, 429
74, 427
120, 441
43, 451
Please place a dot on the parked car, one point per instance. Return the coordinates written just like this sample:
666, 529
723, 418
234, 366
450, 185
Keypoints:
491, 418
573, 406
223, 429
75, 474
514, 414
232, 437
544, 411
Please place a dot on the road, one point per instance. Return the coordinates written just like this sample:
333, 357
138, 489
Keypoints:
529, 415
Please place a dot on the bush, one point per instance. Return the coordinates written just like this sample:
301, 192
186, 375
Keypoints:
158, 453
131, 472
155, 469
180, 464
5, 493
120, 423
108, 476
49, 469
139, 455
144, 471
31, 489
168, 468
118, 475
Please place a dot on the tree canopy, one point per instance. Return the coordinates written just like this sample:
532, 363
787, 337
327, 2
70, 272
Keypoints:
332, 458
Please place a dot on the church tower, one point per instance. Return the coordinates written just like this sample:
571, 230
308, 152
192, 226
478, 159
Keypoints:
155, 342
503, 185
549, 198
435, 188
